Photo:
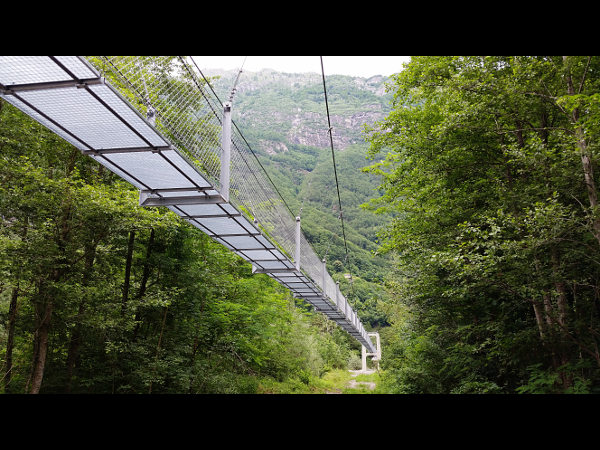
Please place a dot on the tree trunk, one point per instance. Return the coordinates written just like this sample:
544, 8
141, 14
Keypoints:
76, 335
34, 359
560, 288
42, 338
46, 291
158, 347
127, 271
562, 316
144, 283
539, 317
565, 351
586, 161
146, 274
549, 310
12, 317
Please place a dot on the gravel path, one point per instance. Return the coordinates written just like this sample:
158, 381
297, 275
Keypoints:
353, 384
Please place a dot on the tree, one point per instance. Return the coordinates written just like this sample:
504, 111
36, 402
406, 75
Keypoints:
497, 248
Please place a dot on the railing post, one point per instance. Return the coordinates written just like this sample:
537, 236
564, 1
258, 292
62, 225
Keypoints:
346, 312
150, 111
297, 243
226, 150
337, 295
324, 279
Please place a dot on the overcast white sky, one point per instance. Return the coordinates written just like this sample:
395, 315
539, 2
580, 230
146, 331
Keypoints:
358, 66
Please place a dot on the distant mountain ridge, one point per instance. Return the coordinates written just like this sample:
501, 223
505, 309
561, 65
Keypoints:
279, 107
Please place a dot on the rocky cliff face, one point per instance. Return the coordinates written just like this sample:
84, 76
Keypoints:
282, 108
272, 148
308, 129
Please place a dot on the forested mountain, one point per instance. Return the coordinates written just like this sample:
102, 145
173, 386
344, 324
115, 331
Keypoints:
284, 119
279, 108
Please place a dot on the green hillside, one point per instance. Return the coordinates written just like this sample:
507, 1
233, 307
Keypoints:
276, 112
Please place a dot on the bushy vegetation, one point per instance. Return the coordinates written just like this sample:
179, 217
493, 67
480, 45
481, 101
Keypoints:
492, 172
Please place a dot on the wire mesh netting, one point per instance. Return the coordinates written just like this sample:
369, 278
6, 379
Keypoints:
190, 116
165, 90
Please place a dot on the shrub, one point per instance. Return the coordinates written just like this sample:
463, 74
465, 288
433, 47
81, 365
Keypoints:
305, 376
354, 362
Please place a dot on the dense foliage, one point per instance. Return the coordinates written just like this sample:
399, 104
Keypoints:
491, 169
98, 295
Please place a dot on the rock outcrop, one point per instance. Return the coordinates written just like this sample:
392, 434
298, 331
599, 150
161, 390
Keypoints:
282, 108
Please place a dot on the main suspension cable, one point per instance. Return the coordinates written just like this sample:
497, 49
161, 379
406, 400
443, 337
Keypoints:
335, 172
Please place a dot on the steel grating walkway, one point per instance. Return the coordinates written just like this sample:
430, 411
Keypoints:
175, 159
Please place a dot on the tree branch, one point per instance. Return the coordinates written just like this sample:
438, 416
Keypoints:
584, 74
243, 364
536, 129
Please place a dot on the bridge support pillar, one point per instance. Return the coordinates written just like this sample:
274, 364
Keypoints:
378, 346
377, 355
364, 358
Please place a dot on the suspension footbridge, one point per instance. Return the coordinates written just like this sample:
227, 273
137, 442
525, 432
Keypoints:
154, 122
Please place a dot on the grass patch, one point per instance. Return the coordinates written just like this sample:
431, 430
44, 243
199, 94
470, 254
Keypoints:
332, 381
289, 386
337, 379
373, 377
360, 389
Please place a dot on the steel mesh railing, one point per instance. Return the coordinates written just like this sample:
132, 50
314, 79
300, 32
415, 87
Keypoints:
189, 115
186, 116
